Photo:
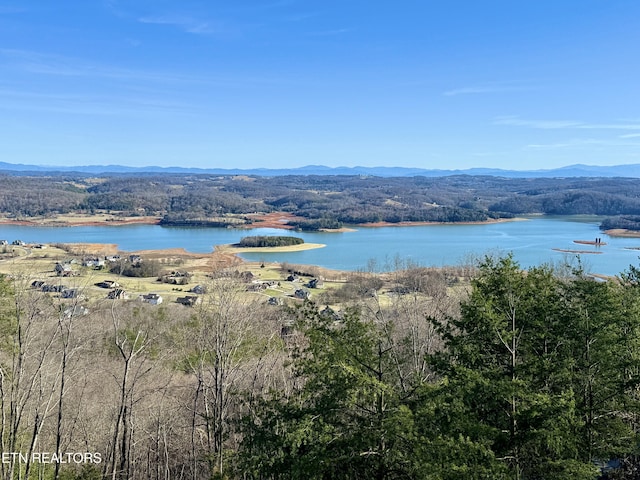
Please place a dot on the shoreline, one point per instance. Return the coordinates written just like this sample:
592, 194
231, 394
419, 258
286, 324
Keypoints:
116, 222
82, 222
580, 252
622, 233
274, 220
426, 224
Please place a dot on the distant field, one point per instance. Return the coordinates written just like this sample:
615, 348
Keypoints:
27, 264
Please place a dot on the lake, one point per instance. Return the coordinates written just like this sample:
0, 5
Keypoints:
531, 241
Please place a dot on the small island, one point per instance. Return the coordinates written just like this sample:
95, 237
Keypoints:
269, 241
275, 243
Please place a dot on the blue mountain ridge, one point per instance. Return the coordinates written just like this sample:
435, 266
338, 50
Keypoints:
577, 170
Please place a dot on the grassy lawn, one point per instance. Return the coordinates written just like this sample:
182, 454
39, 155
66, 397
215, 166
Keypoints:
27, 264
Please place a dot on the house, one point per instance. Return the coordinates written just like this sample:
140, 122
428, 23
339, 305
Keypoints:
52, 288
4, 242
108, 284
62, 269
18, 242
315, 283
75, 311
329, 312
302, 294
287, 329
70, 293
151, 298
199, 289
94, 262
117, 294
37, 284
135, 259
246, 276
256, 287
176, 278
190, 300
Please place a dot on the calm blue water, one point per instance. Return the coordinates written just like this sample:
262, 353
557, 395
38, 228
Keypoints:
531, 242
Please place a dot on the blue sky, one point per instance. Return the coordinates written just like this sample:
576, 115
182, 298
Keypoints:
522, 84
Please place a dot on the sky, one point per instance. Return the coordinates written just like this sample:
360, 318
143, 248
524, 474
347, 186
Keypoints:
455, 84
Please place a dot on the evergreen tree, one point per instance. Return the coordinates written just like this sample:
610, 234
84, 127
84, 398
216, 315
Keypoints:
507, 368
345, 421
538, 379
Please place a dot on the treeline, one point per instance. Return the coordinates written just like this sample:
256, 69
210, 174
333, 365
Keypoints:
321, 201
627, 222
178, 220
270, 241
316, 225
139, 269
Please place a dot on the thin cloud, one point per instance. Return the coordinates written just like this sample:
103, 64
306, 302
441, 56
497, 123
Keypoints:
583, 142
185, 23
474, 90
330, 33
550, 145
613, 126
630, 135
58, 65
89, 104
542, 124
62, 66
563, 124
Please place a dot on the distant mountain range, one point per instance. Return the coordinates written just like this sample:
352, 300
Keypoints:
577, 170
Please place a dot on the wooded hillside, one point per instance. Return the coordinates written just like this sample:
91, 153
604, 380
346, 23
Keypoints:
320, 201
530, 374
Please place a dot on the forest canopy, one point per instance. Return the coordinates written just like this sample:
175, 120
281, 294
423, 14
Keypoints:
506, 374
536, 378
317, 201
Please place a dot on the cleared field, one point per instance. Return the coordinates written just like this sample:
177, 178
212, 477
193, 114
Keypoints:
28, 264
290, 283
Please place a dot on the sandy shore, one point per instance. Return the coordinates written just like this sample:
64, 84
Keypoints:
621, 232
82, 221
195, 261
267, 220
564, 250
289, 248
